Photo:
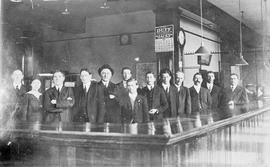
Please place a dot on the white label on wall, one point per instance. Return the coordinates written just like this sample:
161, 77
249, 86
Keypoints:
164, 40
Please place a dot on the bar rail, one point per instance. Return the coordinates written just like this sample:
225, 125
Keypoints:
111, 139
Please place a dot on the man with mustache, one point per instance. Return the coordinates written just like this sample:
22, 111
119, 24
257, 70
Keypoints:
200, 97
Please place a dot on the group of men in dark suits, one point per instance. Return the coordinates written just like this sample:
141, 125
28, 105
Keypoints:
125, 102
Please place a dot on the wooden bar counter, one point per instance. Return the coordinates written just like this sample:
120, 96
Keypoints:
201, 140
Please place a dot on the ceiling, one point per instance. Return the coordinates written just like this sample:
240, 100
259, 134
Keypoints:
49, 12
254, 11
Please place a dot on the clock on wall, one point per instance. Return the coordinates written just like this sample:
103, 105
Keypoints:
125, 39
181, 37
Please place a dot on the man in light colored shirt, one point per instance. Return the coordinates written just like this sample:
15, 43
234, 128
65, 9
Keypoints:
200, 97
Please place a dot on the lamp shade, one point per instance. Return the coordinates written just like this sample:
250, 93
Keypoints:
240, 61
202, 51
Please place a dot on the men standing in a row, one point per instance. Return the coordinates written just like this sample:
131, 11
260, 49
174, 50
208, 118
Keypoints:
89, 100
200, 97
134, 107
183, 98
112, 111
215, 91
170, 92
156, 98
58, 100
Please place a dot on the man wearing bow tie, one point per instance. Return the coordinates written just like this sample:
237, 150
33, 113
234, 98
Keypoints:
58, 100
89, 100
215, 91
156, 98
134, 107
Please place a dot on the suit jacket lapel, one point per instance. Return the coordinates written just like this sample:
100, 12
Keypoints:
182, 91
235, 92
194, 90
155, 92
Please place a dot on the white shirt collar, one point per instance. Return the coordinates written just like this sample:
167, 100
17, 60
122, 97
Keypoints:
124, 83
166, 86
59, 87
233, 87
133, 96
209, 86
17, 85
178, 87
106, 84
150, 87
35, 93
197, 88
87, 86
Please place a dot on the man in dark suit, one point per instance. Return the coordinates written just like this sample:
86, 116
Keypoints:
122, 86
183, 98
58, 100
134, 107
89, 100
200, 97
156, 98
16, 96
112, 110
170, 92
215, 91
235, 97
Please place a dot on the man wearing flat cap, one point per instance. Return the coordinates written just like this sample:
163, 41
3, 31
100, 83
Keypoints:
112, 114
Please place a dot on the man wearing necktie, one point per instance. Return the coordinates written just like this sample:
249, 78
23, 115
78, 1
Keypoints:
215, 91
170, 91
156, 97
58, 100
89, 100
183, 97
121, 87
200, 97
112, 108
234, 97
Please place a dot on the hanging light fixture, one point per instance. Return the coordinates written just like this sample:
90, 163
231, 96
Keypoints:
66, 11
240, 61
202, 51
17, 1
105, 5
